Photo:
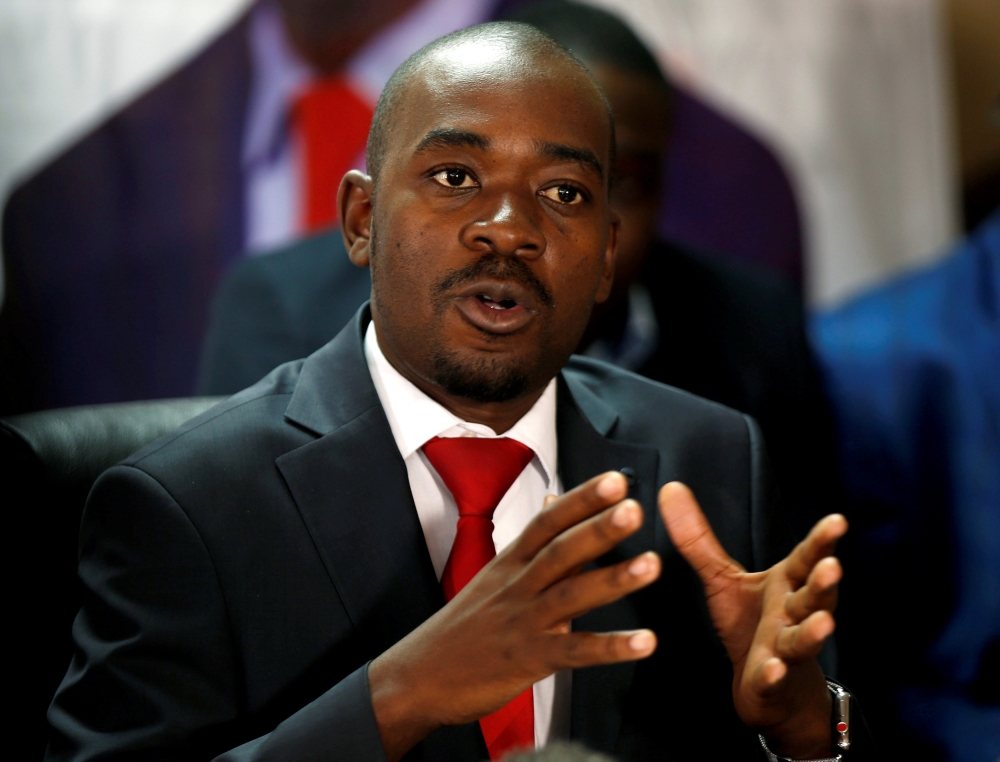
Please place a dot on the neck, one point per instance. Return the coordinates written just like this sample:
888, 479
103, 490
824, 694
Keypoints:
499, 416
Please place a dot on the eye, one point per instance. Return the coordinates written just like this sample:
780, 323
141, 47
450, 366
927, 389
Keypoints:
454, 177
563, 194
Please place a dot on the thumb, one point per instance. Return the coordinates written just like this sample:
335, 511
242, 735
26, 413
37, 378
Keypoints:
693, 536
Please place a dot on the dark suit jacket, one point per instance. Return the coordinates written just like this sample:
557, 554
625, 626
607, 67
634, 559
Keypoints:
240, 574
728, 332
736, 334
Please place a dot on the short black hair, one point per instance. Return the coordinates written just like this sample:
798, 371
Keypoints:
532, 41
593, 35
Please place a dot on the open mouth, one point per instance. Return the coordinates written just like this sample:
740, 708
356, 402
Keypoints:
496, 307
503, 304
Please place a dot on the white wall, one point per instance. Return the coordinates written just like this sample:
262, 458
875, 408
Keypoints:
854, 96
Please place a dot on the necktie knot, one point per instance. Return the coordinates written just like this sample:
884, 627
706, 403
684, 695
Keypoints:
478, 470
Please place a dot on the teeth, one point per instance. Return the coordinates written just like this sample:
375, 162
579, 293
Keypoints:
505, 304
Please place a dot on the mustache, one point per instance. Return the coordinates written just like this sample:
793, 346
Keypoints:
492, 266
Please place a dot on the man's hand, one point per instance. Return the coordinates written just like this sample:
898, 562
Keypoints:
510, 626
772, 623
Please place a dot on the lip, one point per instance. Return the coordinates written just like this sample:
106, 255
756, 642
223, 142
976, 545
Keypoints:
500, 322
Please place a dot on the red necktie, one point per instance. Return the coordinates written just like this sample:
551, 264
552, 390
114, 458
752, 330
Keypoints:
478, 471
332, 121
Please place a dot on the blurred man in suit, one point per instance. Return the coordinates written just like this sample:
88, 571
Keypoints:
311, 569
711, 326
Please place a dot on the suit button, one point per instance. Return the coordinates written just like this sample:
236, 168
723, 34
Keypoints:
629, 475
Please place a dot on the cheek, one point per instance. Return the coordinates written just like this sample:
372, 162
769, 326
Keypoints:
578, 281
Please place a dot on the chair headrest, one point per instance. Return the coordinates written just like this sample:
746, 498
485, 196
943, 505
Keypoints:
70, 447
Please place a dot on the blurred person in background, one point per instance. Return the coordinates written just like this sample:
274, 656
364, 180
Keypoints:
721, 329
913, 372
114, 251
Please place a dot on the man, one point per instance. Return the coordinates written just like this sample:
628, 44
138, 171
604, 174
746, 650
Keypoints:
271, 581
702, 323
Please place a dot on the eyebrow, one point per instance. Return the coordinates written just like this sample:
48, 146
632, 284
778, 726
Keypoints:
451, 138
582, 156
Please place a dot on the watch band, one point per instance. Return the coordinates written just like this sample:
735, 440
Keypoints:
841, 717
772, 757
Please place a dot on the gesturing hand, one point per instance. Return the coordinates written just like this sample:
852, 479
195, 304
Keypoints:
509, 627
772, 623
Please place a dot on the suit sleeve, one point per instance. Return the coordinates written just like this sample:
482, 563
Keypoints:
156, 672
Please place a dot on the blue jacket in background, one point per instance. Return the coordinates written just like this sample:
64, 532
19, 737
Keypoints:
913, 372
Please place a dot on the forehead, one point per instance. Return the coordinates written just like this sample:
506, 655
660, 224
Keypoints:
511, 97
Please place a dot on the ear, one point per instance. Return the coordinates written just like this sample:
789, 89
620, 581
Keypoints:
608, 267
354, 202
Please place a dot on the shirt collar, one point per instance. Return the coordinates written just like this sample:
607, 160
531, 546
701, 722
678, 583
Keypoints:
415, 418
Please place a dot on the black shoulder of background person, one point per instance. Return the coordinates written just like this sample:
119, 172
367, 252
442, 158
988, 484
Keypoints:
279, 307
736, 334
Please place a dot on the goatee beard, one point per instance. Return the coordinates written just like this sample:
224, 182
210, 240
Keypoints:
481, 380
484, 379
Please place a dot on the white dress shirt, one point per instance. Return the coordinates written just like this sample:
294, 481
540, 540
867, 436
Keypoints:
414, 419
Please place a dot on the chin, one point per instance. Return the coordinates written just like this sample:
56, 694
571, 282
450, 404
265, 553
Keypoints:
484, 379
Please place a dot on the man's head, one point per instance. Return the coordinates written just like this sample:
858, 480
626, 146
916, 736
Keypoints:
640, 98
490, 236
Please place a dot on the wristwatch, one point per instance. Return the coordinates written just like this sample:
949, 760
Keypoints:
841, 727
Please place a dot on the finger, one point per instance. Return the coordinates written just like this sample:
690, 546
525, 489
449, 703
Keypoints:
558, 515
588, 649
576, 595
819, 592
805, 640
768, 676
549, 499
820, 543
693, 536
566, 554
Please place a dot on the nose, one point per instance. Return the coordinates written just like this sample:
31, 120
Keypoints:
506, 225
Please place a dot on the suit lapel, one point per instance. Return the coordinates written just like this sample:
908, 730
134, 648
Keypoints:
584, 423
353, 492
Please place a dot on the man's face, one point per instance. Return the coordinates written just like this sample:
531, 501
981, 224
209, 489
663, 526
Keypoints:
492, 236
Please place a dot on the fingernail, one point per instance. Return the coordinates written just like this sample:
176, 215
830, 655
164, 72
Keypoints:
642, 641
625, 515
641, 566
610, 486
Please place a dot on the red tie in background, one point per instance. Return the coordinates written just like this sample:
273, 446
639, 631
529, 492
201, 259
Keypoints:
332, 121
478, 472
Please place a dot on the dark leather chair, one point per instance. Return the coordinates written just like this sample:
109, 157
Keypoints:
48, 463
